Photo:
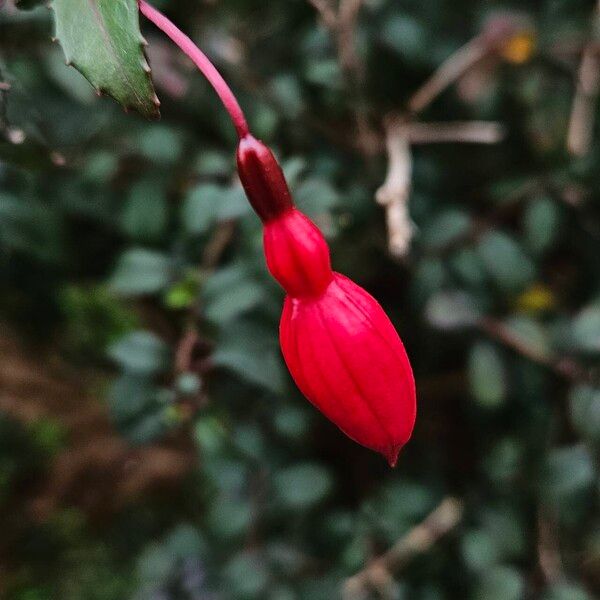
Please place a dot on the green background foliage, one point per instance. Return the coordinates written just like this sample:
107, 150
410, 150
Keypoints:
131, 267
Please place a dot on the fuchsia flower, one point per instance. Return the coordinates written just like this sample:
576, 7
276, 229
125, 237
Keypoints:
339, 345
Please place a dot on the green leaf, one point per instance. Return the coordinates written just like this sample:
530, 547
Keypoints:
246, 576
446, 228
586, 329
503, 463
159, 559
407, 36
212, 163
148, 428
102, 40
229, 518
479, 550
507, 529
468, 266
230, 292
250, 441
161, 143
430, 277
532, 334
199, 209
303, 485
566, 591
210, 436
145, 212
316, 196
246, 349
233, 205
291, 422
31, 228
130, 396
569, 470
183, 293
452, 310
140, 352
286, 90
487, 375
500, 583
141, 410
540, 224
506, 262
140, 271
584, 405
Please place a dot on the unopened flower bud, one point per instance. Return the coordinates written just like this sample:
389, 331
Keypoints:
346, 357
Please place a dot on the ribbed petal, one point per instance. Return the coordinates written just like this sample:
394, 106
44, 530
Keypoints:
346, 357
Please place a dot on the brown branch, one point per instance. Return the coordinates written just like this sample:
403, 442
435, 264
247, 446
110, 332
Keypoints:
400, 132
548, 548
378, 574
565, 367
447, 73
326, 12
394, 193
190, 340
581, 124
347, 17
342, 26
477, 132
217, 244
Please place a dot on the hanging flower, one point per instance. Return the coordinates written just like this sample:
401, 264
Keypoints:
339, 345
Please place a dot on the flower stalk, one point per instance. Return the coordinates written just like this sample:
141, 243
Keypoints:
202, 62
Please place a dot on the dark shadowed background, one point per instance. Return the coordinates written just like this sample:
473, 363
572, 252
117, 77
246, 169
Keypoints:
152, 444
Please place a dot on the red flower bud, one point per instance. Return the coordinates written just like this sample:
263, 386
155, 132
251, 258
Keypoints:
347, 359
340, 347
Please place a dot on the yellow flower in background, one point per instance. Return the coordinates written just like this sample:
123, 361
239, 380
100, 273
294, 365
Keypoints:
537, 298
519, 48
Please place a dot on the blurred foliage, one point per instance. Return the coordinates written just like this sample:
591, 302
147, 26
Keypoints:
127, 248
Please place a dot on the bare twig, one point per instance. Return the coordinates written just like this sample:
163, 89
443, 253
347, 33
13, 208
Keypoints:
581, 124
394, 193
477, 132
378, 574
447, 73
349, 59
548, 549
326, 12
565, 367
342, 26
185, 350
190, 339
400, 132
217, 244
